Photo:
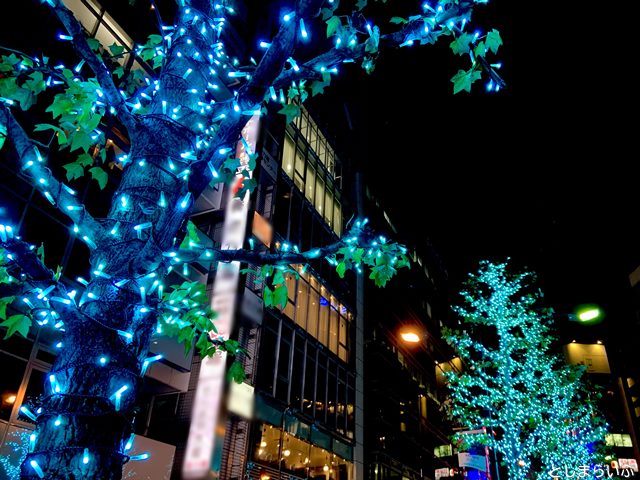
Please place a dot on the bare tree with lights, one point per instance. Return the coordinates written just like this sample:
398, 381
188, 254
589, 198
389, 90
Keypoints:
542, 419
183, 132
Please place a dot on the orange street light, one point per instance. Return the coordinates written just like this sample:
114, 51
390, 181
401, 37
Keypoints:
410, 337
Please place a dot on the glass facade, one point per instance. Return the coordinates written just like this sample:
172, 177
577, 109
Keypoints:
317, 311
314, 177
299, 456
299, 372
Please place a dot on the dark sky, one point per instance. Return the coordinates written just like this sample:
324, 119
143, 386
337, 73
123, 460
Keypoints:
543, 172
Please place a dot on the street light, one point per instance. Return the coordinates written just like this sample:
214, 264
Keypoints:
410, 337
587, 314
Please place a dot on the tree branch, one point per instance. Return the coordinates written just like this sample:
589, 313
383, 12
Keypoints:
24, 256
103, 74
358, 236
412, 31
42, 179
252, 93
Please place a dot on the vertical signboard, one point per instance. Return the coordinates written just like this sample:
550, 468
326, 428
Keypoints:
210, 386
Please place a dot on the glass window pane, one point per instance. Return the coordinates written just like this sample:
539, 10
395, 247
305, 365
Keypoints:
311, 183
10, 380
301, 303
288, 153
319, 193
289, 309
35, 389
343, 331
343, 354
320, 149
321, 389
86, 17
290, 282
331, 395
297, 372
300, 162
328, 207
313, 135
312, 316
337, 218
323, 327
333, 331
303, 123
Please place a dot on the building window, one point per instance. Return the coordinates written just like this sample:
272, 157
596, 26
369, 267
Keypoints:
618, 440
443, 451
317, 311
282, 450
317, 184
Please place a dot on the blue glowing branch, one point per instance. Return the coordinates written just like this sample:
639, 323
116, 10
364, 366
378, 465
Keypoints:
103, 75
34, 168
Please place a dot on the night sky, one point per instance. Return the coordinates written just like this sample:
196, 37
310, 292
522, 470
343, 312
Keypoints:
541, 172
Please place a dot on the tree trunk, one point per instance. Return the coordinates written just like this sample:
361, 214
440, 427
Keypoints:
115, 320
79, 410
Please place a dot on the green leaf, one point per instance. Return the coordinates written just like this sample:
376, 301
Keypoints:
318, 87
493, 40
341, 269
280, 296
267, 296
192, 237
3, 306
18, 323
253, 157
119, 72
480, 50
460, 45
116, 49
291, 111
371, 45
74, 170
85, 160
40, 252
100, 176
360, 4
3, 135
248, 185
61, 135
278, 277
81, 140
332, 26
327, 13
398, 20
58, 273
94, 44
5, 278
236, 372
154, 39
203, 343
463, 80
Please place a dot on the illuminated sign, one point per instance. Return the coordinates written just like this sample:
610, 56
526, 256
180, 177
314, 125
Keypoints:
629, 463
262, 229
479, 462
206, 407
441, 473
240, 400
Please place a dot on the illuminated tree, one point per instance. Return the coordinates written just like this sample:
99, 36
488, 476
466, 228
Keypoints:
542, 414
184, 131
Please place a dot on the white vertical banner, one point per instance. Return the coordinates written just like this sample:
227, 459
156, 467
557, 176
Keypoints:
206, 408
